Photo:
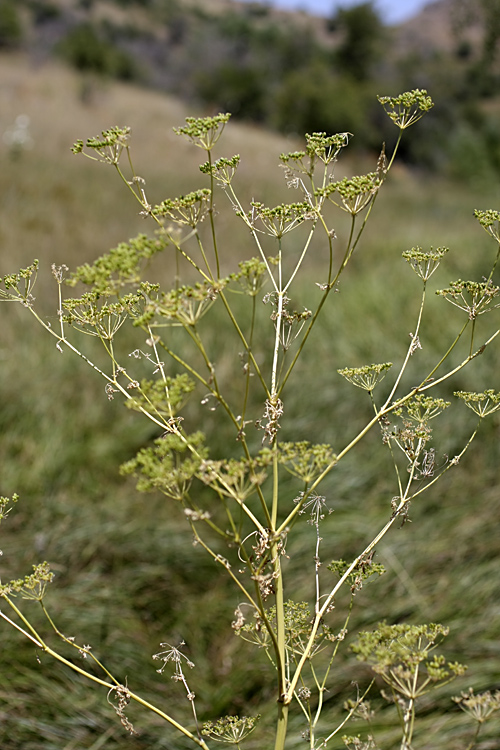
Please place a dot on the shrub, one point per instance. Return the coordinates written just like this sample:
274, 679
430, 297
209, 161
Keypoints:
11, 29
87, 51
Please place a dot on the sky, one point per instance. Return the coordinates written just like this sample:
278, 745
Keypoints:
391, 11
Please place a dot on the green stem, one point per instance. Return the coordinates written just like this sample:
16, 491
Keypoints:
445, 356
278, 585
75, 645
410, 348
395, 150
247, 364
304, 339
44, 647
386, 409
494, 265
203, 254
281, 727
472, 337
244, 342
302, 256
329, 598
211, 215
217, 558
349, 715
277, 322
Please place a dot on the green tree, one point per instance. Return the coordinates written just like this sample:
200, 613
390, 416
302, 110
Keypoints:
313, 98
89, 51
240, 89
362, 39
11, 30
483, 74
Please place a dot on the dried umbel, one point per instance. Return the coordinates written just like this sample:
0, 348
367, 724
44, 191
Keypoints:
480, 706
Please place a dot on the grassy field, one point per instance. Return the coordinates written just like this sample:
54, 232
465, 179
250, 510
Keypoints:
128, 577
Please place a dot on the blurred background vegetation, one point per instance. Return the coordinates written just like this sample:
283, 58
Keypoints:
289, 71
127, 576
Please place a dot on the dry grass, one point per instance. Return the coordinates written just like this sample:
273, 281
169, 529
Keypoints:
62, 208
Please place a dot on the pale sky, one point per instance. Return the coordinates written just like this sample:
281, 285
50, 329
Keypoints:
391, 11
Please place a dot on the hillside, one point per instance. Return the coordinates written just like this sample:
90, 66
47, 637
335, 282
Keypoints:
164, 25
287, 71
49, 195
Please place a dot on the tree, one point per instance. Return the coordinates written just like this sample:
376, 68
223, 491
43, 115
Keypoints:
362, 39
11, 31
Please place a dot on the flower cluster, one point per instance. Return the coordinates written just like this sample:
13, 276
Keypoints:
90, 316
251, 276
483, 403
4, 505
421, 408
235, 477
362, 571
366, 377
186, 305
109, 145
474, 297
230, 729
276, 221
297, 622
424, 264
406, 109
319, 146
490, 221
19, 286
356, 743
223, 169
190, 209
204, 132
403, 655
32, 586
174, 655
163, 397
326, 147
480, 706
415, 433
169, 466
355, 192
305, 461
121, 266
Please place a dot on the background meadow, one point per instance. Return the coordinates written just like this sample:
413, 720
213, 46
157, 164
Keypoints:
127, 575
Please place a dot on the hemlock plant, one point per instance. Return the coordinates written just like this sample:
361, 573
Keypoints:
250, 501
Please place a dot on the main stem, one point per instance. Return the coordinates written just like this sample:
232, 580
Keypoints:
281, 727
